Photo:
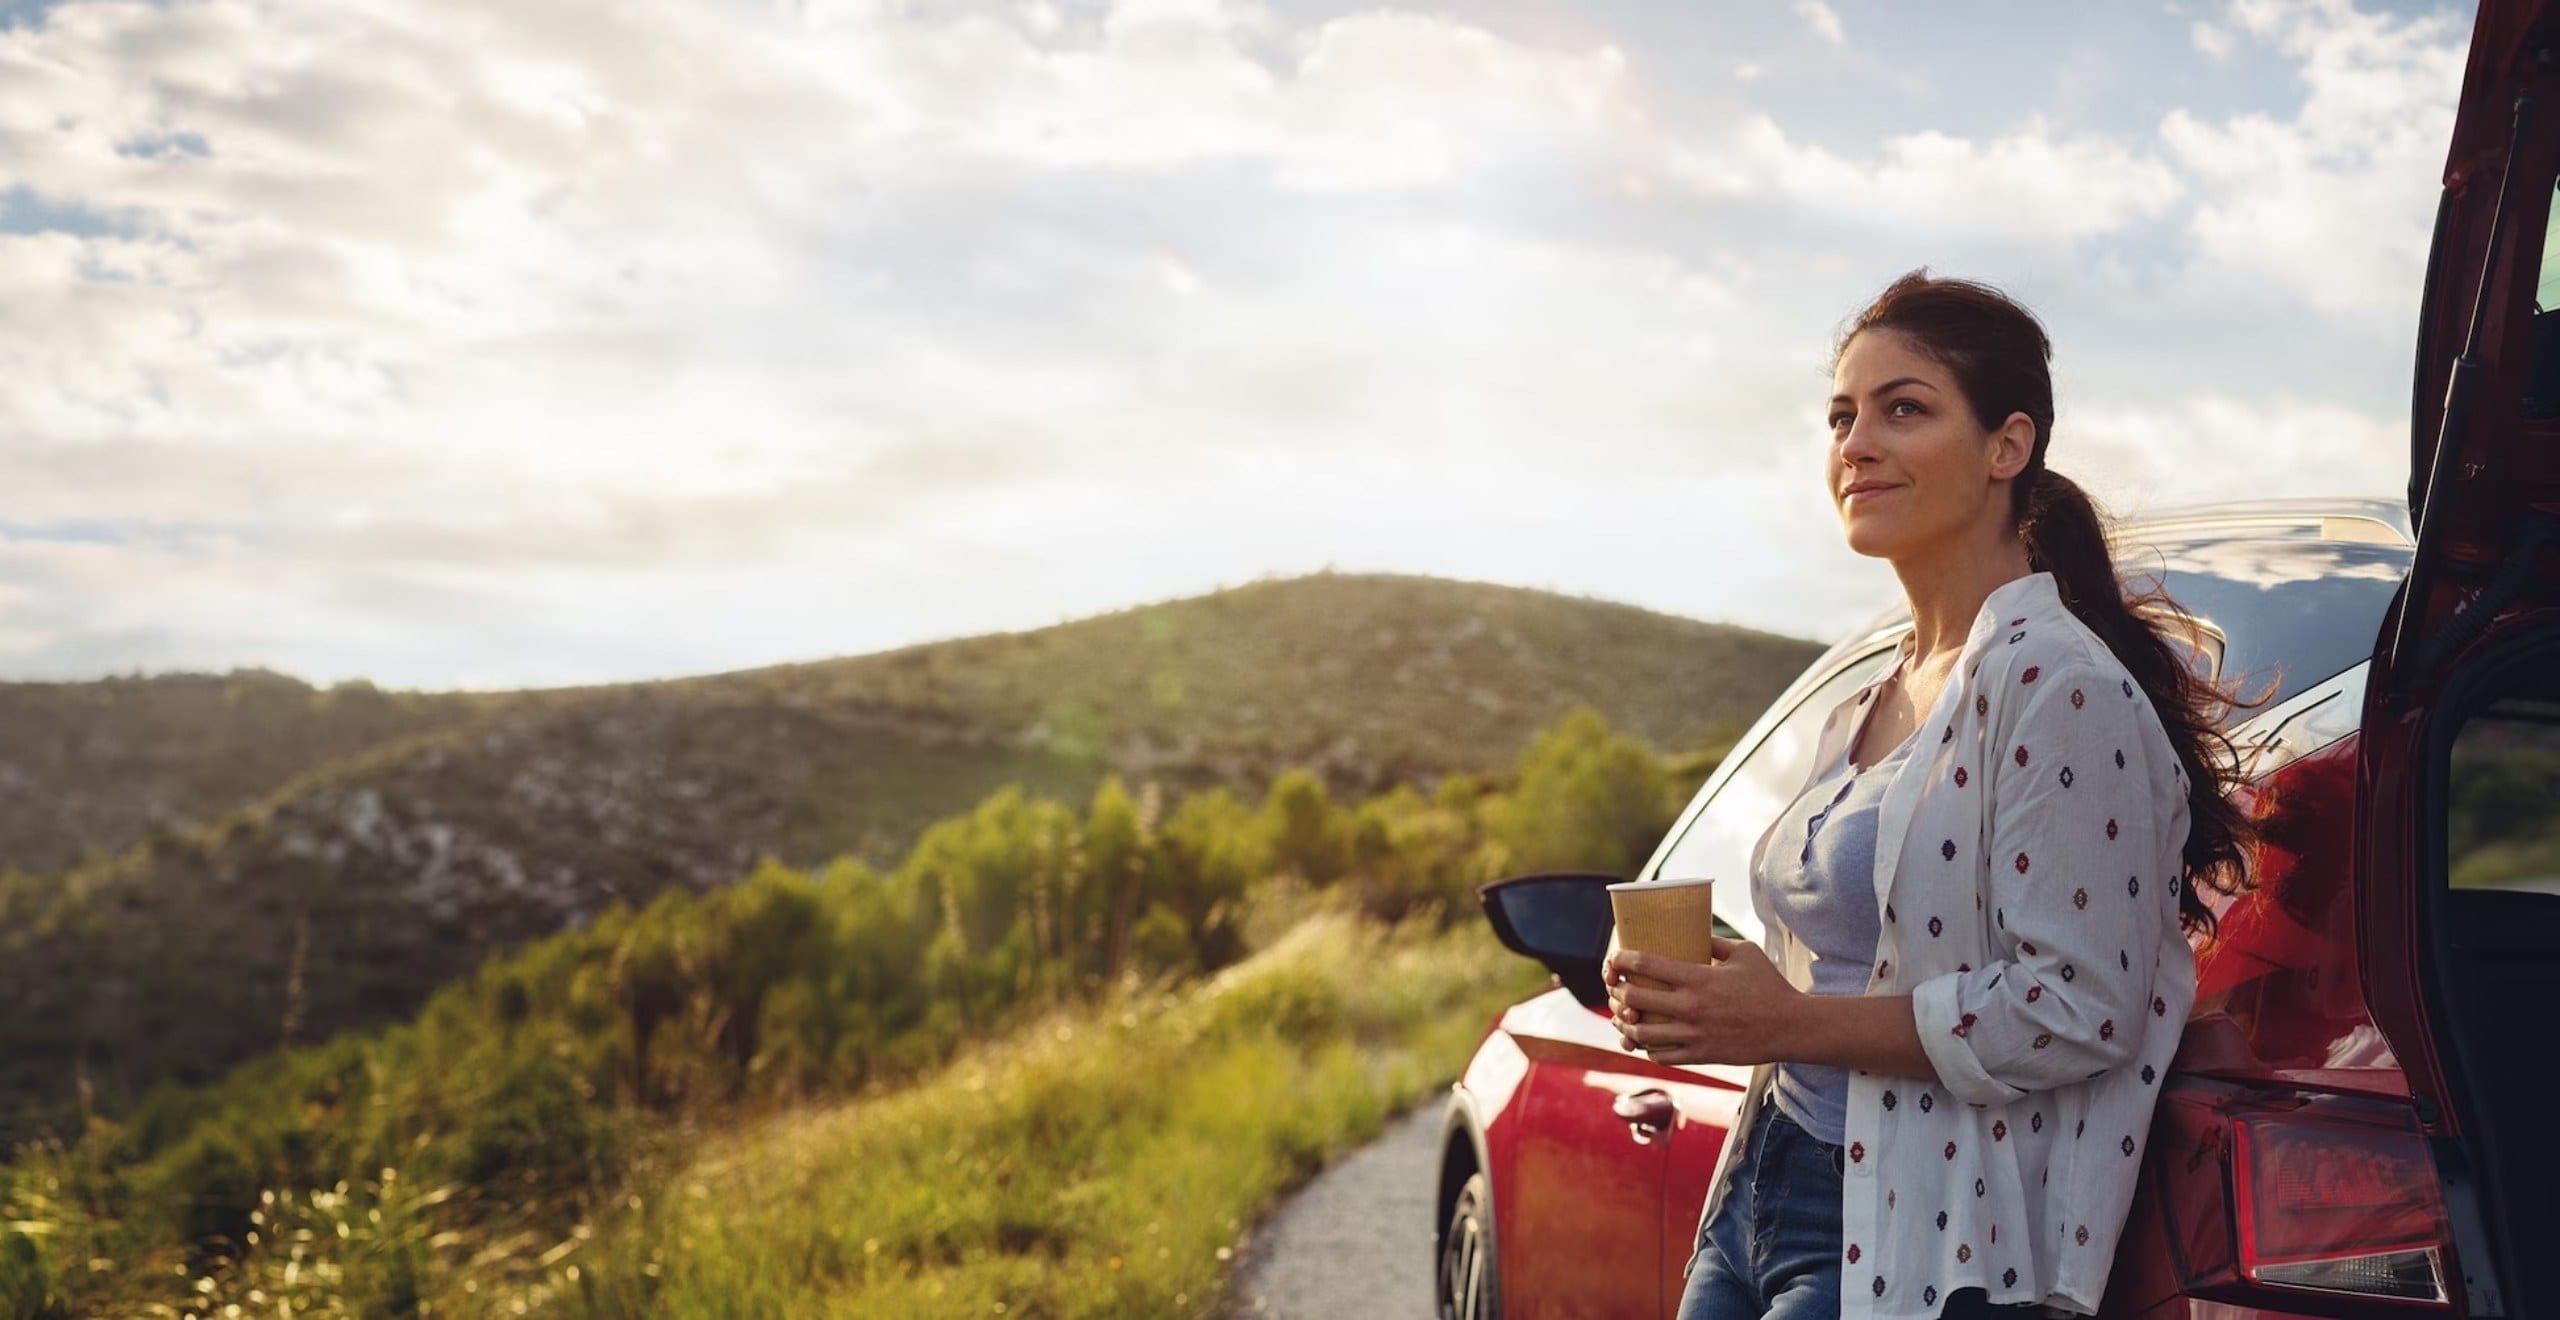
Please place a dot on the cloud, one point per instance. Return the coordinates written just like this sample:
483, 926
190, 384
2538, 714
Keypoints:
595, 266
474, 340
2146, 456
1823, 19
564, 180
2033, 185
1385, 99
2329, 204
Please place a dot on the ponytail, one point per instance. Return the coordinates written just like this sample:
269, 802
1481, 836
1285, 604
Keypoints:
2066, 535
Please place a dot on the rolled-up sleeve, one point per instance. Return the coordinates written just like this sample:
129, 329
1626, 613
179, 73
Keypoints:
2077, 901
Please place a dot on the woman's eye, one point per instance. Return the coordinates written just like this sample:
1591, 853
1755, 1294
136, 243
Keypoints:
1900, 404
1839, 420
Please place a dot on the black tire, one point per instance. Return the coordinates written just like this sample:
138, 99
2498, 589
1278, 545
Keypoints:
1467, 1284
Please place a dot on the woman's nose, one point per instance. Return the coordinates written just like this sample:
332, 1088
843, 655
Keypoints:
1860, 442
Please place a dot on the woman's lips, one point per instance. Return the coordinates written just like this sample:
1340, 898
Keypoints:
1862, 496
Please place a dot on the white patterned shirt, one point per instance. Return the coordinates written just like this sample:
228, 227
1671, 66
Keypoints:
2027, 862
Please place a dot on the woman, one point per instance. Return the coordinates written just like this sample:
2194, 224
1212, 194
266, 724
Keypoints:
1977, 963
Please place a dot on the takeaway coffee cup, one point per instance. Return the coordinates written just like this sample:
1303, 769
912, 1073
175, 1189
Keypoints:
1668, 917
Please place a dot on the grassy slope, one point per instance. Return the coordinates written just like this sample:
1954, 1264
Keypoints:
1101, 1159
380, 876
1096, 1163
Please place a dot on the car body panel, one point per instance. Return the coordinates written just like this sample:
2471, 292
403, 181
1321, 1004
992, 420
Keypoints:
2485, 479
1567, 1172
2277, 991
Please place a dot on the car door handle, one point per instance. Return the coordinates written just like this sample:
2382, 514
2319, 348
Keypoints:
1647, 1113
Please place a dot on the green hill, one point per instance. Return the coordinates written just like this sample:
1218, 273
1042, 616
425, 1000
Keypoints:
492, 1142
1366, 678
345, 895
87, 767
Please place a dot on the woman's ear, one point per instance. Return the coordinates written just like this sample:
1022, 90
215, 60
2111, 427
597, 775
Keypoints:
2013, 445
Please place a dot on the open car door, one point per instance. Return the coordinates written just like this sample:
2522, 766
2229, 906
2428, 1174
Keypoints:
2459, 846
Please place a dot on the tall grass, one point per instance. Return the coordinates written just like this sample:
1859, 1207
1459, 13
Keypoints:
1103, 1161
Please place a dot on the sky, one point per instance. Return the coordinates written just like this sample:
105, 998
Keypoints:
493, 343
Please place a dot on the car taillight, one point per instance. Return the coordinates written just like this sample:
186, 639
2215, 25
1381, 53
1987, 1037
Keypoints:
2337, 1204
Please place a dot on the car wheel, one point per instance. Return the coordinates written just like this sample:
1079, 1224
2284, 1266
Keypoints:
1468, 1288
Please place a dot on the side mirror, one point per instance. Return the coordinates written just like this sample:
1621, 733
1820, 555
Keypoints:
1561, 919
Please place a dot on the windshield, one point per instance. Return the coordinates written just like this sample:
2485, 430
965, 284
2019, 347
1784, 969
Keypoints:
2292, 606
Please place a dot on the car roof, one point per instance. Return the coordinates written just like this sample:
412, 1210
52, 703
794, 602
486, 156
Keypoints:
2329, 518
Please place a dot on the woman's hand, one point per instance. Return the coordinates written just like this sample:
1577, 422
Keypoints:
1738, 1009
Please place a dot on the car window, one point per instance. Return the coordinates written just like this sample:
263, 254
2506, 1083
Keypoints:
2541, 392
1717, 840
2546, 285
2502, 813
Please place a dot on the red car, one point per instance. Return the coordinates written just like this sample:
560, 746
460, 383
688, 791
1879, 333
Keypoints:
2356, 1122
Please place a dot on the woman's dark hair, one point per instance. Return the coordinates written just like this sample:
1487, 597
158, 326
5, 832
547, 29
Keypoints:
2001, 360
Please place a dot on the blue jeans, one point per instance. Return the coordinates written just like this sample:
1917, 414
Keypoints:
1772, 1249
1773, 1246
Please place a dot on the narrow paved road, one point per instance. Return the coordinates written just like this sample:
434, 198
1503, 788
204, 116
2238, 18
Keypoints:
1357, 1240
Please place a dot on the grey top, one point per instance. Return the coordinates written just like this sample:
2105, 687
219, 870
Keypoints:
1823, 891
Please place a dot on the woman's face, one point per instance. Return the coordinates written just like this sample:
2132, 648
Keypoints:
1900, 425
